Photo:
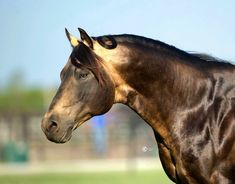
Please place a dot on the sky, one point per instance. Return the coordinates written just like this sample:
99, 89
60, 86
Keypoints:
32, 38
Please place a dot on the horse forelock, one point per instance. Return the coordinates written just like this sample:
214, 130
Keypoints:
83, 56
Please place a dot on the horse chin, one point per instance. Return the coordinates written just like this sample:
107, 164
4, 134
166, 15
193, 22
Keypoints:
79, 123
76, 126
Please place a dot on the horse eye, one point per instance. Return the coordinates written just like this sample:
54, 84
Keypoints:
83, 75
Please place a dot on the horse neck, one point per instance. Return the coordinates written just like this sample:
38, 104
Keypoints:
156, 85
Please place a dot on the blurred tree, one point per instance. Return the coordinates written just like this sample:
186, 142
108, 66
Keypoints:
18, 99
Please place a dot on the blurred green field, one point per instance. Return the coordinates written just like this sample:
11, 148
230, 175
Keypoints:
140, 177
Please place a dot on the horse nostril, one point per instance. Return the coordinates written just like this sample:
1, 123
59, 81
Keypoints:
52, 126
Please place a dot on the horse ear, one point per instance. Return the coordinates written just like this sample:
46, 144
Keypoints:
85, 38
73, 40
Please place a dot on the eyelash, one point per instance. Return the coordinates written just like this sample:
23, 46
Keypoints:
83, 76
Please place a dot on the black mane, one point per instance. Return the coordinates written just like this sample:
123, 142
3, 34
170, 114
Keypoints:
148, 42
83, 56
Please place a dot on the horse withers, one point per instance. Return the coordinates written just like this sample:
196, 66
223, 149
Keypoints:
188, 100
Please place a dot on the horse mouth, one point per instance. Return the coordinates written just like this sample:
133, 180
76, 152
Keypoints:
62, 134
65, 137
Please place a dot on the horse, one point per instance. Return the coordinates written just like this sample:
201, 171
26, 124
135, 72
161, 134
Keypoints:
187, 98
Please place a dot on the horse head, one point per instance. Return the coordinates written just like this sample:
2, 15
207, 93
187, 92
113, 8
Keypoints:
86, 89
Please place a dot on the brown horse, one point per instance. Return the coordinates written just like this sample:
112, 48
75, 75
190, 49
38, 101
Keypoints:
188, 100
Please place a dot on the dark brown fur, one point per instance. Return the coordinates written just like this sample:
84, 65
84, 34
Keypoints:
188, 100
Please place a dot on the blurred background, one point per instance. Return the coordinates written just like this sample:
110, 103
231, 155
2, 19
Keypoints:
117, 147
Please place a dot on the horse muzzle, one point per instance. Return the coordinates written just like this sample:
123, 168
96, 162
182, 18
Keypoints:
55, 131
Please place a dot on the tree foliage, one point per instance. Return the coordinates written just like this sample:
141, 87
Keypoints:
15, 98
23, 101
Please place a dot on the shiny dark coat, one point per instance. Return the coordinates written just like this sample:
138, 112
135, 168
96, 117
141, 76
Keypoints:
188, 100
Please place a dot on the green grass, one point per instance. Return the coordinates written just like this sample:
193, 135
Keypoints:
142, 177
